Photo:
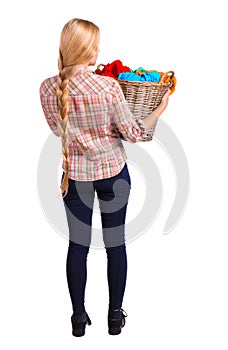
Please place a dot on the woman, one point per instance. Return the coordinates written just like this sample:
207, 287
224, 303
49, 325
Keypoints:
90, 114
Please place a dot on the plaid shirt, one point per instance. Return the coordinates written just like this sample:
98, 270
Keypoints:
98, 119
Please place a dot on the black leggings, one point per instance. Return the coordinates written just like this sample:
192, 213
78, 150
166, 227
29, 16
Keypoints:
113, 199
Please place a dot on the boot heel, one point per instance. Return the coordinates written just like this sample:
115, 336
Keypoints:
89, 321
79, 323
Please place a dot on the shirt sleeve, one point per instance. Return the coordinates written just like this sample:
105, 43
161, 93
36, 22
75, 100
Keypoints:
52, 124
47, 104
131, 128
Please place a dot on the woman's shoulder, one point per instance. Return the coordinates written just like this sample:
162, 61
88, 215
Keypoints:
111, 82
110, 85
92, 83
48, 86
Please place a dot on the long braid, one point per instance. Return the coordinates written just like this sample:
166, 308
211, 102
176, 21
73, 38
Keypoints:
62, 92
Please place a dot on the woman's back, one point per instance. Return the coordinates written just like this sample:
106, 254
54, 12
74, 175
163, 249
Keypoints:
97, 111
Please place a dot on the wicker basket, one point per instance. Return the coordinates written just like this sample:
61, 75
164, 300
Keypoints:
144, 97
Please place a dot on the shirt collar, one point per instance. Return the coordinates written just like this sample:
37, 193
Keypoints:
82, 70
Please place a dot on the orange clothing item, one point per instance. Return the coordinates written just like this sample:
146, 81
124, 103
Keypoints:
166, 78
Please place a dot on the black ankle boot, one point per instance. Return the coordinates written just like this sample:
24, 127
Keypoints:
79, 323
116, 321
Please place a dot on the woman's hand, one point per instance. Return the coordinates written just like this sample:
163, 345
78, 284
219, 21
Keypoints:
164, 102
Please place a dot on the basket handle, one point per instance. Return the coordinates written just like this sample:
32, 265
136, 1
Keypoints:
100, 67
170, 74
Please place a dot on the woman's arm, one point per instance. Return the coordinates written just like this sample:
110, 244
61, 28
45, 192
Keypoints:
134, 129
150, 119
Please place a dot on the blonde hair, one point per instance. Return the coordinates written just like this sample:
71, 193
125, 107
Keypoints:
78, 45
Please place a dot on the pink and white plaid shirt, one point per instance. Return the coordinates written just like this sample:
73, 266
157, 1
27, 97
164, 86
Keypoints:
98, 113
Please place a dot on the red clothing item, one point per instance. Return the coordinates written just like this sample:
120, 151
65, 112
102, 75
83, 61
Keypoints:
113, 69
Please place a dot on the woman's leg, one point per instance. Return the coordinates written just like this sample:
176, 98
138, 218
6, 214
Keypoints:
79, 209
76, 270
117, 275
113, 194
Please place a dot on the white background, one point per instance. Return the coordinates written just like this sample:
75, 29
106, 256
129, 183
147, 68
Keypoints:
176, 294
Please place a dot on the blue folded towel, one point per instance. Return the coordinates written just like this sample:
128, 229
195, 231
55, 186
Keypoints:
151, 76
148, 76
129, 76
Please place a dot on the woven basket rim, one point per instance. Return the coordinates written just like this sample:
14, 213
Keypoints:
145, 83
